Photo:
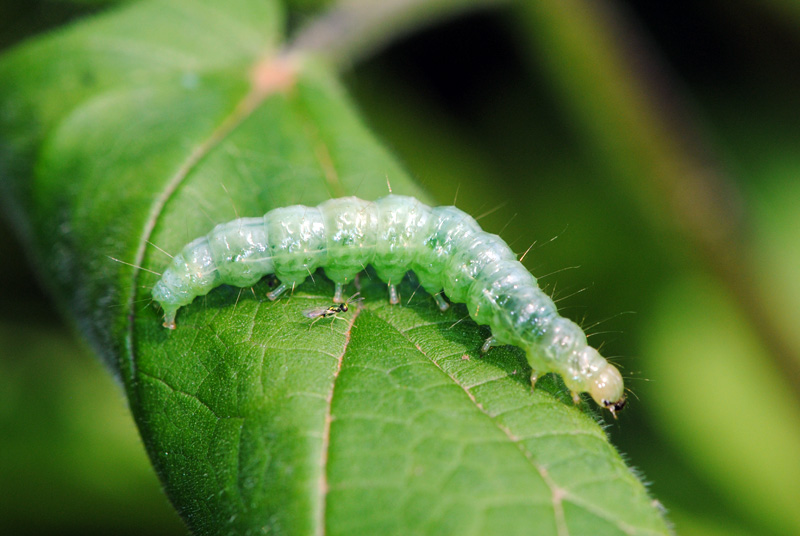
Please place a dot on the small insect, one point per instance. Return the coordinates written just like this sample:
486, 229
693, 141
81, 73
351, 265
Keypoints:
445, 248
318, 313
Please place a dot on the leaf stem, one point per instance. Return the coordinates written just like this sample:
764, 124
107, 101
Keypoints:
354, 29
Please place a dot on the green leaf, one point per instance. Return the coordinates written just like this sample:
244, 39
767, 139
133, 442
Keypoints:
128, 135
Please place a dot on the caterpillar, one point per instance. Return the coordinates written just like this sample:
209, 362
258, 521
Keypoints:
444, 246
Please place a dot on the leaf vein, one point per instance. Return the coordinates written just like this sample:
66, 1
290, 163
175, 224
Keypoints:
557, 493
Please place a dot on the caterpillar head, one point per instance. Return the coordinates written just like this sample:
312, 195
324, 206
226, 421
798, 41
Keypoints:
606, 388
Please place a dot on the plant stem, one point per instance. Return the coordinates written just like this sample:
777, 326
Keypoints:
354, 29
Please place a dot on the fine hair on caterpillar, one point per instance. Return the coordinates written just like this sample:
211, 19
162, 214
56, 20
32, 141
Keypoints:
444, 247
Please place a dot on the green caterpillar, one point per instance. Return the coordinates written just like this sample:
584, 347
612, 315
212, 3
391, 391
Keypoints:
446, 249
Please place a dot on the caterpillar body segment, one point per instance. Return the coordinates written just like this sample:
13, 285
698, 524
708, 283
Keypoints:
446, 249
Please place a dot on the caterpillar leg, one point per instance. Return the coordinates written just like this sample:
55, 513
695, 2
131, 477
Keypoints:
488, 343
441, 302
337, 294
169, 318
534, 377
277, 291
394, 298
576, 397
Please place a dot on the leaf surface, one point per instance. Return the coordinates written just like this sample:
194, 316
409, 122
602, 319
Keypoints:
127, 136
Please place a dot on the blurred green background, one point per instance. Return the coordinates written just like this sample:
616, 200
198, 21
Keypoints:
652, 152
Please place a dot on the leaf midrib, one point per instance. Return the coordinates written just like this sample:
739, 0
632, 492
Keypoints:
326, 431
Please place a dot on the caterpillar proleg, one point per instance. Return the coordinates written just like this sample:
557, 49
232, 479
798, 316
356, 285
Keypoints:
444, 246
